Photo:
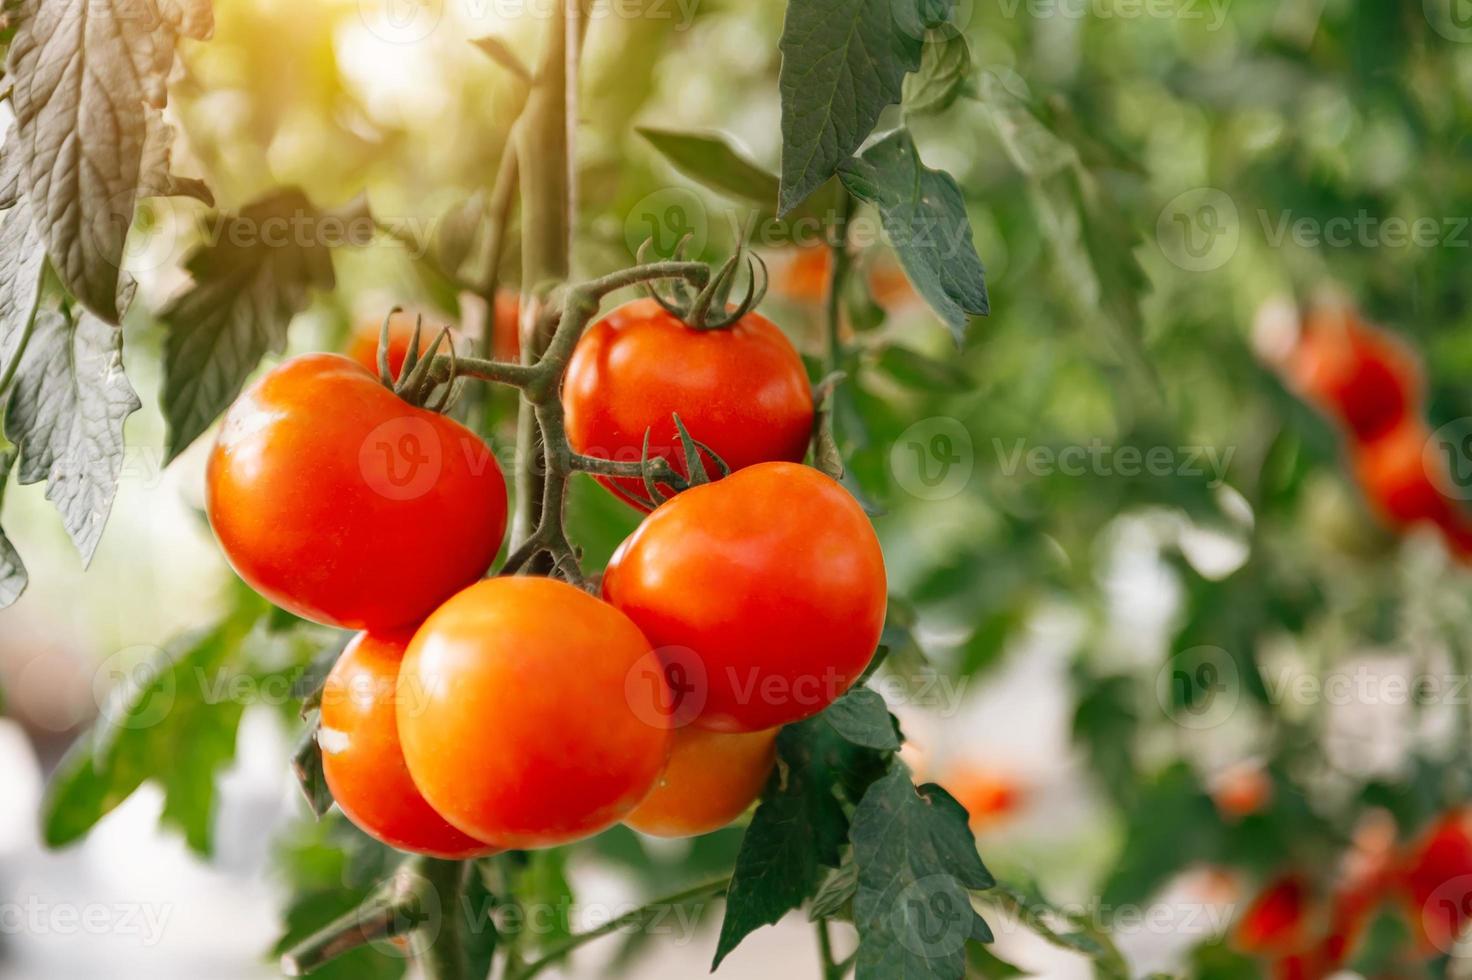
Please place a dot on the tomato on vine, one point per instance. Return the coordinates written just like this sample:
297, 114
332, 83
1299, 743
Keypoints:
363, 762
364, 343
711, 778
1361, 376
517, 716
765, 592
741, 389
344, 504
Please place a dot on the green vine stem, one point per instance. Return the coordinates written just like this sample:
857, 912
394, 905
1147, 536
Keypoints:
638, 917
838, 271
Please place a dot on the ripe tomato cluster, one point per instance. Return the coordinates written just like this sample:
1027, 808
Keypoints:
1309, 931
1370, 383
475, 714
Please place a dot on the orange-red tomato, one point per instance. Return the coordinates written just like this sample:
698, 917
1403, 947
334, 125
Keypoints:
741, 390
506, 326
363, 347
1242, 791
1394, 473
804, 276
518, 718
1363, 377
990, 798
763, 592
362, 760
1277, 920
1436, 880
711, 779
342, 503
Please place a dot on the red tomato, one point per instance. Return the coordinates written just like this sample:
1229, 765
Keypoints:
741, 390
804, 276
506, 326
1242, 791
342, 503
362, 760
1277, 920
711, 779
990, 798
763, 592
517, 717
1363, 377
1394, 473
1437, 881
363, 347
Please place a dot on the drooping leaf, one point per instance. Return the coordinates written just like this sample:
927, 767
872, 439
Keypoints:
924, 216
247, 287
862, 717
13, 577
710, 159
835, 896
923, 373
66, 414
159, 723
1061, 928
799, 828
917, 865
945, 71
86, 77
843, 62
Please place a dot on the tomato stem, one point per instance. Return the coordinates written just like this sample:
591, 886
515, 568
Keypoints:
838, 271
651, 911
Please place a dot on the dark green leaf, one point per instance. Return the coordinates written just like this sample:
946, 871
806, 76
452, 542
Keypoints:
983, 964
945, 69
916, 370
862, 717
843, 62
306, 765
66, 414
836, 893
87, 78
1182, 820
711, 160
158, 723
924, 216
799, 828
546, 897
249, 282
917, 865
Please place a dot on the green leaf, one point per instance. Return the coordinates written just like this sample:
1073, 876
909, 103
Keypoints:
89, 78
923, 373
836, 894
1182, 820
924, 216
545, 896
917, 865
945, 71
799, 828
157, 724
66, 413
862, 717
983, 964
13, 577
711, 160
306, 765
843, 62
248, 284
1063, 929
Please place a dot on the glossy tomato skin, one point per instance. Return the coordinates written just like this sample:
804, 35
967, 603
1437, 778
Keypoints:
1395, 472
517, 716
764, 593
741, 390
1436, 882
342, 503
711, 778
1277, 920
363, 762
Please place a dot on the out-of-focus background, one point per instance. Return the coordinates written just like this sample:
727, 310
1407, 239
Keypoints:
1121, 485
